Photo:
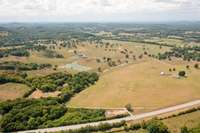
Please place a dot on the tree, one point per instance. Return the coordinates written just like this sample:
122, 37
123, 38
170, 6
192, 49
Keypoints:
196, 66
55, 67
98, 60
48, 87
99, 69
182, 73
129, 107
127, 56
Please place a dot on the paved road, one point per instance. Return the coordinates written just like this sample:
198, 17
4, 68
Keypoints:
133, 117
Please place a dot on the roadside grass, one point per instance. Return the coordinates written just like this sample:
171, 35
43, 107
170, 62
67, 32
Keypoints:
190, 120
142, 86
10, 91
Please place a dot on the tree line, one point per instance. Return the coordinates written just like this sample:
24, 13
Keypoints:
16, 65
21, 51
186, 53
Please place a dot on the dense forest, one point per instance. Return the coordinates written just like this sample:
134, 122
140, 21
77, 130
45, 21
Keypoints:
68, 84
24, 114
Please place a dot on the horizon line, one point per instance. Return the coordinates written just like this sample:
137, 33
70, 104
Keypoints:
178, 21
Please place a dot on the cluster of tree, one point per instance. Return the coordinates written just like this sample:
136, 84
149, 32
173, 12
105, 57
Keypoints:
26, 114
186, 53
29, 114
82, 80
52, 54
16, 65
50, 82
56, 81
14, 52
77, 116
35, 47
22, 51
78, 82
128, 55
7, 77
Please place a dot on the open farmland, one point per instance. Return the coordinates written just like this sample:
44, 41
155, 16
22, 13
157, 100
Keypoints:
12, 91
92, 55
142, 86
190, 120
56, 75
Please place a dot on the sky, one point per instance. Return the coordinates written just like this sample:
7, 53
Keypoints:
99, 10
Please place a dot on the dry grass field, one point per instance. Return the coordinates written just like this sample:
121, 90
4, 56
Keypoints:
92, 52
36, 57
190, 120
11, 91
142, 86
169, 41
138, 82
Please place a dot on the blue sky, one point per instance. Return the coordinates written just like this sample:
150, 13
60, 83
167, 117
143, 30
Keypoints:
99, 10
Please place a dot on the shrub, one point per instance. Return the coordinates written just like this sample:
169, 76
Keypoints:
182, 73
129, 107
196, 66
184, 129
157, 126
135, 126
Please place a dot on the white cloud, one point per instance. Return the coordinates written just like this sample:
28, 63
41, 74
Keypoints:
99, 10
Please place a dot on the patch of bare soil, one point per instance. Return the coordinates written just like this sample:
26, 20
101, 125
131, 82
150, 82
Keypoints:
39, 94
113, 113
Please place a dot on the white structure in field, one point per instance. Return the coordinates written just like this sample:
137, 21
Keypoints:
162, 73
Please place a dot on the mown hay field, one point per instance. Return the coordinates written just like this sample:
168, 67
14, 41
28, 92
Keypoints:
11, 91
142, 86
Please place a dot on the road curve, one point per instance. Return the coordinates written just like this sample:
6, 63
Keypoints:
133, 117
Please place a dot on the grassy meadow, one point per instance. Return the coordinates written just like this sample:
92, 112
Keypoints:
11, 91
142, 86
